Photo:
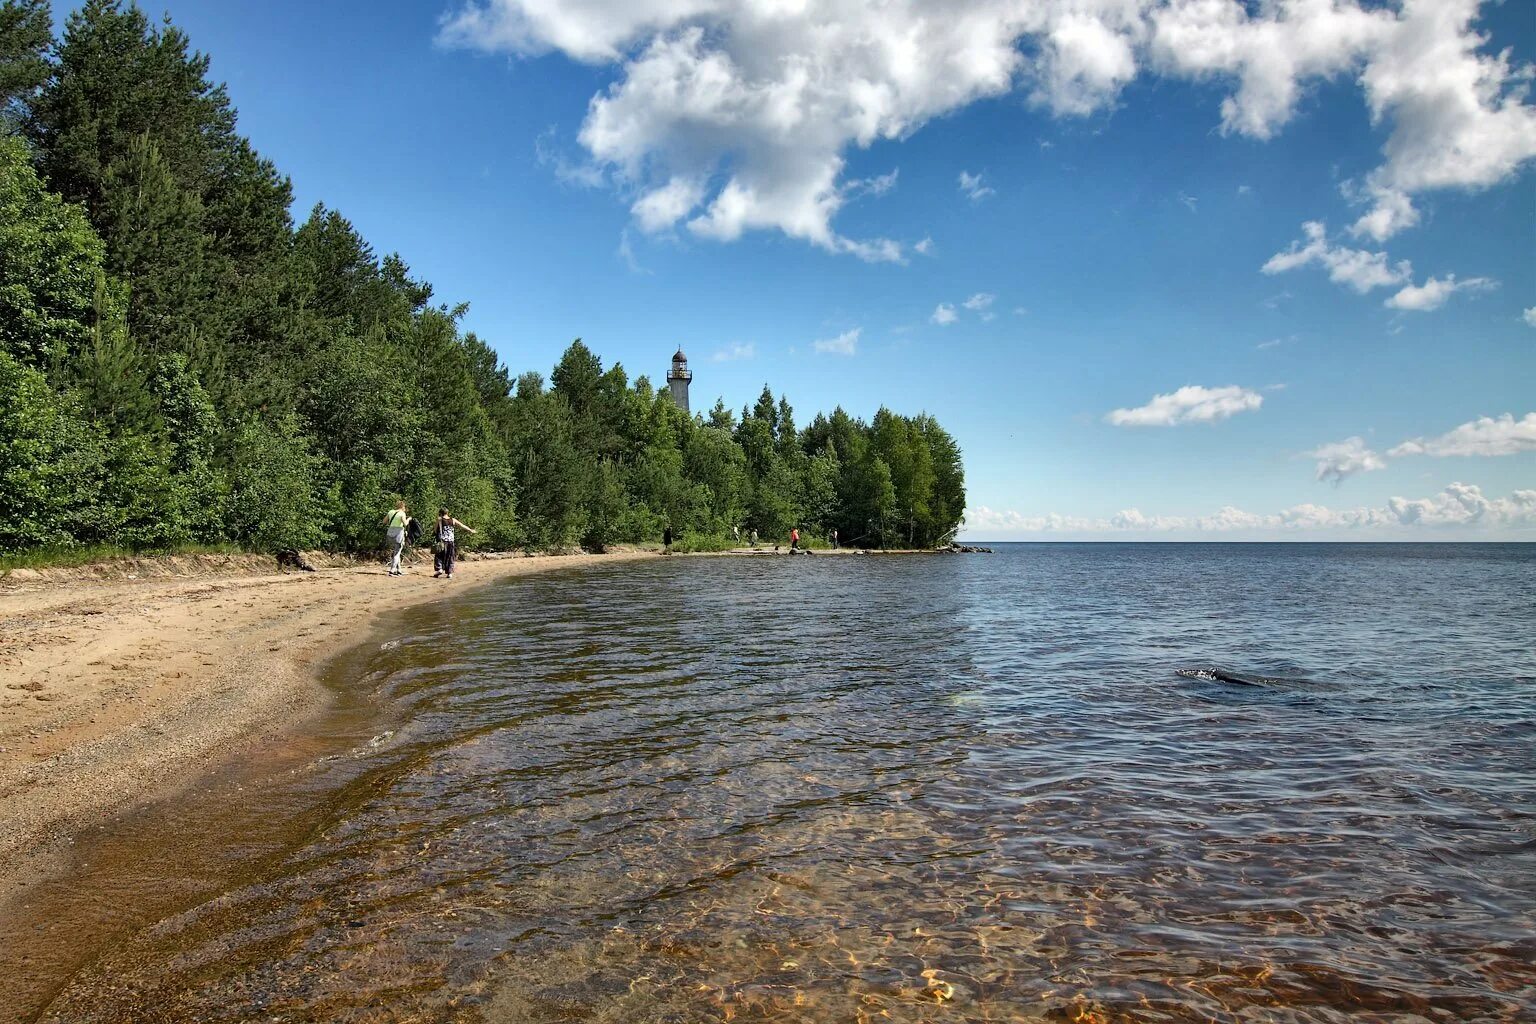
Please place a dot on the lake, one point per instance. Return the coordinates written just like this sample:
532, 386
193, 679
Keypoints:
1148, 782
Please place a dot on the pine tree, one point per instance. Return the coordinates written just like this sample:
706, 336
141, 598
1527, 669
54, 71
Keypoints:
25, 36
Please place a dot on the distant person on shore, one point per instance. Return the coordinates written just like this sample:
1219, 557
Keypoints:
754, 538
735, 535
794, 539
445, 547
666, 540
834, 539
395, 523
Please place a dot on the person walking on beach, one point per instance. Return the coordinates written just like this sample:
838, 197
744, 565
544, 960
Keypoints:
735, 535
834, 538
794, 539
666, 540
754, 538
394, 532
445, 548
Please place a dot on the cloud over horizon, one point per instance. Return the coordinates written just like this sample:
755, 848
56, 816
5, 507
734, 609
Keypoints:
1459, 506
845, 344
1342, 459
1486, 435
1189, 404
730, 116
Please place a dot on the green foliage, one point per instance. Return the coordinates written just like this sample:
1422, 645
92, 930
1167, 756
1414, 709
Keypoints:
274, 501
180, 364
50, 261
50, 463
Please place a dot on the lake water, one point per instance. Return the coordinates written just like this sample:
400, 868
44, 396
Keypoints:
969, 788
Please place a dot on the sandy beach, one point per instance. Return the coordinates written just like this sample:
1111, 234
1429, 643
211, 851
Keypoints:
120, 684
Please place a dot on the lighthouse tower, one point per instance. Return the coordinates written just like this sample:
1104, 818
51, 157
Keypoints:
677, 380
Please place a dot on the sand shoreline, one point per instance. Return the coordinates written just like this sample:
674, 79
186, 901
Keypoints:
117, 693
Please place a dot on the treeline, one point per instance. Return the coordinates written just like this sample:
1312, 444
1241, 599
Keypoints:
180, 363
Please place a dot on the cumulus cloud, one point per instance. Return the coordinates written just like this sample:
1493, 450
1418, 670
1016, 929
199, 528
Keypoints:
1529, 316
1487, 435
1433, 292
1356, 268
734, 351
845, 344
980, 301
1460, 506
974, 190
763, 99
1391, 211
944, 314
1189, 404
924, 247
1345, 458
662, 207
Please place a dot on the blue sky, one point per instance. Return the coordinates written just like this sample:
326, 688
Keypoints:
1120, 191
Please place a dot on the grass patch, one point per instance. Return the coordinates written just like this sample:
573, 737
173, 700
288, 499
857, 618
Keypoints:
691, 543
76, 555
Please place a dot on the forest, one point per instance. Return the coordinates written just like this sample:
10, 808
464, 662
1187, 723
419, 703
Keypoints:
183, 363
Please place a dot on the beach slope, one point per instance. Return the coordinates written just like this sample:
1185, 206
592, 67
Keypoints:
114, 691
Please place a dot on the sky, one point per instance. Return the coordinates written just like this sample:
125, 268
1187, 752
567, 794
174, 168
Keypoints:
1167, 269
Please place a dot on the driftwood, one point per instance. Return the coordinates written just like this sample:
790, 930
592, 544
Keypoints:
290, 558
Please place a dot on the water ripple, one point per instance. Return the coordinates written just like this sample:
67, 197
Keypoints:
1150, 783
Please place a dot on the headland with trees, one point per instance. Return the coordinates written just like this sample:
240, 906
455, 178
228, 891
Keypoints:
183, 364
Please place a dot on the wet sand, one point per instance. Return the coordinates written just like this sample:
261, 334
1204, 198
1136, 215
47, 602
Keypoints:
114, 692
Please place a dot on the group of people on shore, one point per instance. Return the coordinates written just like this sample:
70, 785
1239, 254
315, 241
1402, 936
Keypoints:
401, 529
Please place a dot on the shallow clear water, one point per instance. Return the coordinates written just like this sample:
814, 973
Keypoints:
970, 788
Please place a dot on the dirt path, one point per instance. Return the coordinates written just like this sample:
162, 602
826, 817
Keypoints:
115, 691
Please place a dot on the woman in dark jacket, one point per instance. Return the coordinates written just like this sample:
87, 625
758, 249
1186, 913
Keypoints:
445, 549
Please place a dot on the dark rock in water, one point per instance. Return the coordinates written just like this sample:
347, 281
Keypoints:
290, 558
1220, 675
964, 549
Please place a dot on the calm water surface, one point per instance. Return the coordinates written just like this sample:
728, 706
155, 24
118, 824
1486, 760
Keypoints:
896, 789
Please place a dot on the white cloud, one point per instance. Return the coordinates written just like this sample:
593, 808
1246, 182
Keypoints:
876, 186
1434, 291
1271, 343
1487, 435
570, 172
1192, 202
1356, 268
1345, 458
736, 350
1189, 404
944, 314
663, 207
762, 99
974, 190
1529, 316
980, 301
1459, 507
924, 247
845, 344
626, 252
1392, 211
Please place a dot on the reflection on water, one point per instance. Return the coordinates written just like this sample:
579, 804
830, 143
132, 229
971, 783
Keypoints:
903, 789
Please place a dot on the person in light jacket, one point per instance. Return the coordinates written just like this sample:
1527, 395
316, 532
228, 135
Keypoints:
394, 535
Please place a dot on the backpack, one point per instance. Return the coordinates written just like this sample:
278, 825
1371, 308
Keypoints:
412, 530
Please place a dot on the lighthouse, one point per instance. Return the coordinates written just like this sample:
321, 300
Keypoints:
677, 380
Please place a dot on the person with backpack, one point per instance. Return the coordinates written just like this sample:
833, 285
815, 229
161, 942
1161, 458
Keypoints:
445, 549
395, 523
